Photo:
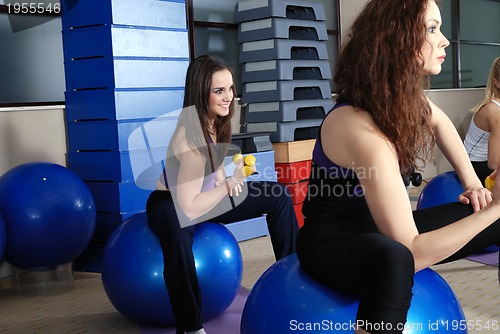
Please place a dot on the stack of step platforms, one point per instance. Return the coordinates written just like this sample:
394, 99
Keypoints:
286, 87
286, 72
125, 64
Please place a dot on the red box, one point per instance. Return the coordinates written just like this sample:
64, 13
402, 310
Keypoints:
291, 172
298, 190
298, 213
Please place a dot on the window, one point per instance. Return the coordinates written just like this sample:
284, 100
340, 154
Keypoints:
31, 58
473, 28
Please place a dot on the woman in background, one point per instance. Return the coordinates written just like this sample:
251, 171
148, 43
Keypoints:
482, 141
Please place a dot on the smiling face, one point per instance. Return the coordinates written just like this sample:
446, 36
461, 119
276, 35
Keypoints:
221, 93
433, 53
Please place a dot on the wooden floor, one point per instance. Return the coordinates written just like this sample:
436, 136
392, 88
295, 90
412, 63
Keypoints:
86, 309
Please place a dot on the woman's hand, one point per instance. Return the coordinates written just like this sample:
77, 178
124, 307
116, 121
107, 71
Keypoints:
219, 181
237, 177
479, 197
236, 190
242, 170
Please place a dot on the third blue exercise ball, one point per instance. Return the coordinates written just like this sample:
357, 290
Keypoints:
285, 299
132, 271
441, 189
49, 215
2, 238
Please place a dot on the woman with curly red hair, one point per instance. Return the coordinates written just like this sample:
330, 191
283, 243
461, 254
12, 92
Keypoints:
360, 234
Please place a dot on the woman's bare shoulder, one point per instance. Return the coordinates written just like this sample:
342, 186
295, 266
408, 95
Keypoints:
351, 133
351, 122
490, 112
179, 141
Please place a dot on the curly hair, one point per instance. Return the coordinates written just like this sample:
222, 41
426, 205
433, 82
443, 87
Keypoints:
380, 70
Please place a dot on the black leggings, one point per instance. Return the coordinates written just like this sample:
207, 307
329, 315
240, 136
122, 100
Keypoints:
270, 198
377, 269
482, 170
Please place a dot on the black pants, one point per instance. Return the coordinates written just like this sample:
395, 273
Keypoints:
378, 269
270, 198
482, 170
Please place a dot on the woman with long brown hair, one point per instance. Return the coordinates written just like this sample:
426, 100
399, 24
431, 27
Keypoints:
360, 234
193, 188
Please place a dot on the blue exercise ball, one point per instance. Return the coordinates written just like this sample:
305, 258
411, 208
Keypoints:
3, 238
285, 299
49, 215
441, 189
132, 271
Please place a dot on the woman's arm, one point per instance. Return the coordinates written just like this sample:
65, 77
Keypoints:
220, 178
354, 141
450, 143
491, 113
190, 199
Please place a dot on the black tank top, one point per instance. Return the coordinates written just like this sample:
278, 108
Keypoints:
335, 196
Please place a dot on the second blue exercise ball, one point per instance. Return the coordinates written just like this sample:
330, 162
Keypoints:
49, 215
132, 271
285, 299
441, 189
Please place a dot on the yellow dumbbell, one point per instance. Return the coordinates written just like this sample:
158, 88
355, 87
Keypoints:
248, 161
237, 158
489, 183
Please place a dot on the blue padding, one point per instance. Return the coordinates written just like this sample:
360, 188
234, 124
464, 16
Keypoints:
120, 41
110, 72
90, 259
117, 104
120, 135
157, 13
249, 229
118, 197
106, 223
142, 167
